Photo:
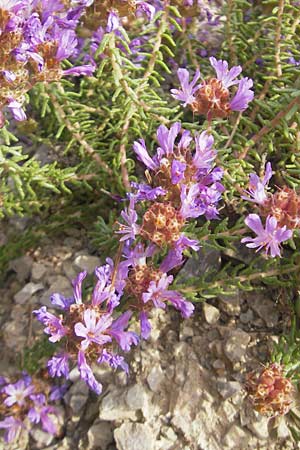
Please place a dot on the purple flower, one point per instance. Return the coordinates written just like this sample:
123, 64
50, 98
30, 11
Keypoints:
13, 428
87, 375
204, 155
145, 325
159, 293
86, 70
177, 171
257, 186
58, 365
190, 206
16, 393
93, 330
270, 237
145, 192
40, 413
228, 77
77, 287
17, 111
114, 361
166, 138
243, 96
186, 94
113, 22
53, 324
60, 301
130, 217
147, 9
124, 338
139, 147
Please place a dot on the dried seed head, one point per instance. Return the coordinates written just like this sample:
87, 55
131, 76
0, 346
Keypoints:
270, 392
212, 100
284, 205
139, 279
162, 224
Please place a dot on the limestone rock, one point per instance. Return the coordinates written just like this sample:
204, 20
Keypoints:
134, 436
155, 378
236, 345
87, 262
211, 314
230, 304
27, 292
38, 271
100, 435
22, 267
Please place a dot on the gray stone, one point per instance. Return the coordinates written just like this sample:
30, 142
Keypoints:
77, 397
186, 332
114, 406
38, 271
236, 345
247, 316
266, 310
211, 314
139, 398
87, 262
260, 427
27, 292
236, 438
134, 436
100, 435
22, 267
42, 438
228, 389
155, 378
230, 304
69, 270
283, 431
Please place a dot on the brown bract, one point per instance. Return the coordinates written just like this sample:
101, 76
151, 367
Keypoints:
212, 100
284, 205
162, 224
270, 392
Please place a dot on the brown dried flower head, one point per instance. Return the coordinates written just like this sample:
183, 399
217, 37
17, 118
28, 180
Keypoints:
212, 100
270, 392
162, 224
284, 205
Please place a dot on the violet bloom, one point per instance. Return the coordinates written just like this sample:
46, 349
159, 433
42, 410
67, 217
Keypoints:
212, 96
53, 324
41, 413
93, 330
270, 237
125, 339
58, 365
17, 393
188, 89
158, 293
130, 217
258, 186
13, 428
87, 375
113, 360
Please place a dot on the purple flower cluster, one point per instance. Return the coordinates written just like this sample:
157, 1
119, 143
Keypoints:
87, 331
212, 97
182, 184
35, 36
279, 209
25, 402
182, 172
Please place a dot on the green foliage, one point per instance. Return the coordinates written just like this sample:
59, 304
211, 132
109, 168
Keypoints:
34, 357
91, 123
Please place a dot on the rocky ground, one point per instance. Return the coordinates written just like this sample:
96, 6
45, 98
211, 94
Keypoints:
185, 389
